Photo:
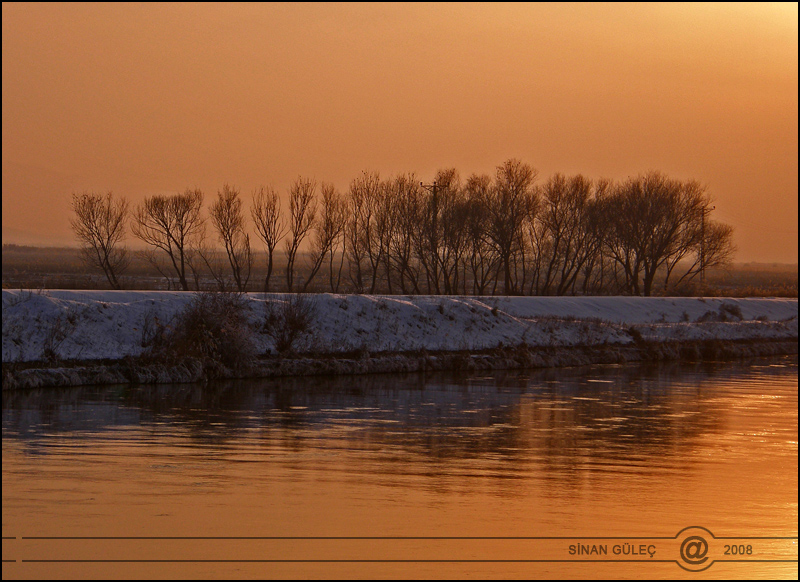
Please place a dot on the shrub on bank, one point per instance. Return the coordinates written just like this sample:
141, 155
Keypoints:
213, 329
287, 319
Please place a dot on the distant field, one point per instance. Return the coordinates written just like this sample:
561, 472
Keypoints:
28, 267
754, 280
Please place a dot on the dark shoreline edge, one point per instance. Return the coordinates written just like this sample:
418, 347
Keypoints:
16, 377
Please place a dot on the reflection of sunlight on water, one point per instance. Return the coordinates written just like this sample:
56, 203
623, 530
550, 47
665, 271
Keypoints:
511, 454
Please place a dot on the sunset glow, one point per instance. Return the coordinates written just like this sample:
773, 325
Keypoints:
156, 98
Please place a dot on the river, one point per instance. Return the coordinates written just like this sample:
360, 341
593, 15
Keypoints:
523, 474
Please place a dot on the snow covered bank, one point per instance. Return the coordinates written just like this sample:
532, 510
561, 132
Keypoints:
90, 330
111, 325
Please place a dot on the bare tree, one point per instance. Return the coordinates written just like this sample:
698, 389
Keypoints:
452, 225
354, 235
99, 225
566, 226
302, 210
338, 222
374, 223
654, 222
405, 200
481, 256
386, 223
702, 243
510, 204
172, 224
228, 219
631, 211
363, 245
594, 268
328, 231
270, 225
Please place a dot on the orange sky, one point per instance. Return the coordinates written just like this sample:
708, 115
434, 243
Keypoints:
152, 98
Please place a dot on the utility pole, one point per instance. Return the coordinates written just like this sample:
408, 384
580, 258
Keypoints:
432, 188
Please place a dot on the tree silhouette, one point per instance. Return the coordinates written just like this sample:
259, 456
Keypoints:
174, 225
99, 225
655, 221
302, 210
270, 225
228, 219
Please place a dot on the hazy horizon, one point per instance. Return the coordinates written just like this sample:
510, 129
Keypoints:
154, 98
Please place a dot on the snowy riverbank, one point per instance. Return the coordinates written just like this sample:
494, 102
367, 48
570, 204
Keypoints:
86, 326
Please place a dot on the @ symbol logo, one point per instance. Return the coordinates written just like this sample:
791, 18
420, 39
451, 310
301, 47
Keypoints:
694, 550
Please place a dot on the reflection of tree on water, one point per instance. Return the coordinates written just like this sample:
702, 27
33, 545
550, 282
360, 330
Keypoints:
499, 425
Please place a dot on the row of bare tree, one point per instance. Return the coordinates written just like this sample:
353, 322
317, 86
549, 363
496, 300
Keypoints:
486, 235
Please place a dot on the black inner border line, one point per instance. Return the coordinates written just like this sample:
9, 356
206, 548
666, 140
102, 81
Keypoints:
753, 560
729, 539
343, 538
341, 561
333, 560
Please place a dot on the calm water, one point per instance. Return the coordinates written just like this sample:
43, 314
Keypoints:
599, 452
